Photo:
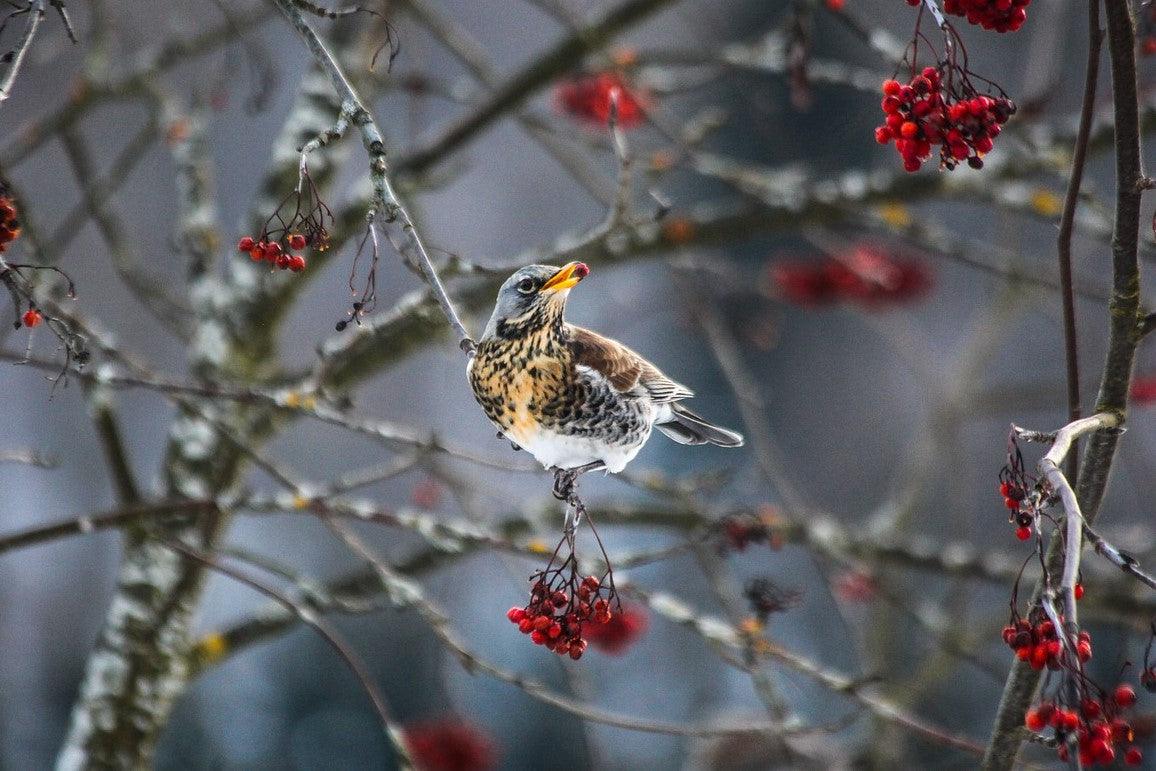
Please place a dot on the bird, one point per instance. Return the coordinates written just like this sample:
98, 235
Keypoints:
575, 400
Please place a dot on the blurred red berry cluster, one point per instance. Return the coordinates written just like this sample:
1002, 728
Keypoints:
865, 275
620, 632
588, 98
1146, 28
9, 225
450, 745
925, 113
1143, 390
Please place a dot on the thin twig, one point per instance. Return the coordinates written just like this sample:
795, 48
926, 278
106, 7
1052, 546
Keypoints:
35, 14
403, 234
1068, 217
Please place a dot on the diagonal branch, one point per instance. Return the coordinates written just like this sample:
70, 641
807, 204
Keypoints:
390, 213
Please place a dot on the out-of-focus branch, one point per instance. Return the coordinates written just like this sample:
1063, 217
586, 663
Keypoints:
307, 616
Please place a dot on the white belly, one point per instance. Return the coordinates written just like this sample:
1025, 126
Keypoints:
560, 451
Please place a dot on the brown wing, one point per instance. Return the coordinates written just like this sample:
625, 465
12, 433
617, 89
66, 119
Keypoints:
624, 368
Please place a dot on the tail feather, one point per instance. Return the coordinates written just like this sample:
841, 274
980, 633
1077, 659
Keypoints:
685, 427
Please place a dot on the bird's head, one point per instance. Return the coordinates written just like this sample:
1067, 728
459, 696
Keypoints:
533, 298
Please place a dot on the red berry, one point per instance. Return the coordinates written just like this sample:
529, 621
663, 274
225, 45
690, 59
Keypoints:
1034, 721
891, 87
1084, 650
32, 318
296, 263
297, 241
1023, 533
245, 244
516, 614
1102, 752
1079, 591
1133, 757
1124, 696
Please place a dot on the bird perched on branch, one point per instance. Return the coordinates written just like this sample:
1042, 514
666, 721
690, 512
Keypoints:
575, 400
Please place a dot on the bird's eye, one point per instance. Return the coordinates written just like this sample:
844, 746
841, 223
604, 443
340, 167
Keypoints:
526, 285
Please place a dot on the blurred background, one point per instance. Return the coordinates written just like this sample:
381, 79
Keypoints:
883, 416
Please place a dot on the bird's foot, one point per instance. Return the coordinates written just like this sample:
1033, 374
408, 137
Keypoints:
566, 480
513, 445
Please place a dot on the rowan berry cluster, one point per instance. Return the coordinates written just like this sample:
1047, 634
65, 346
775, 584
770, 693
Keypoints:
998, 15
865, 275
589, 97
926, 113
1040, 646
9, 225
1097, 723
272, 252
298, 222
560, 606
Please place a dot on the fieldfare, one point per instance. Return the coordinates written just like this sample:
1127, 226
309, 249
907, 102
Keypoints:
575, 400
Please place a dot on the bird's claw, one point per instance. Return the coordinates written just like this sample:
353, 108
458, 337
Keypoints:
564, 483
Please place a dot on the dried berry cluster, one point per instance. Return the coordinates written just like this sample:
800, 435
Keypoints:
1022, 495
739, 530
1097, 723
1022, 515
560, 606
272, 252
926, 113
865, 275
998, 15
589, 98
9, 225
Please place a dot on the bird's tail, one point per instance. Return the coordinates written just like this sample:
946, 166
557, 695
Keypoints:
685, 427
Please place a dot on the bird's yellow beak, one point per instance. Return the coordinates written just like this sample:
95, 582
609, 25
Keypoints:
567, 277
